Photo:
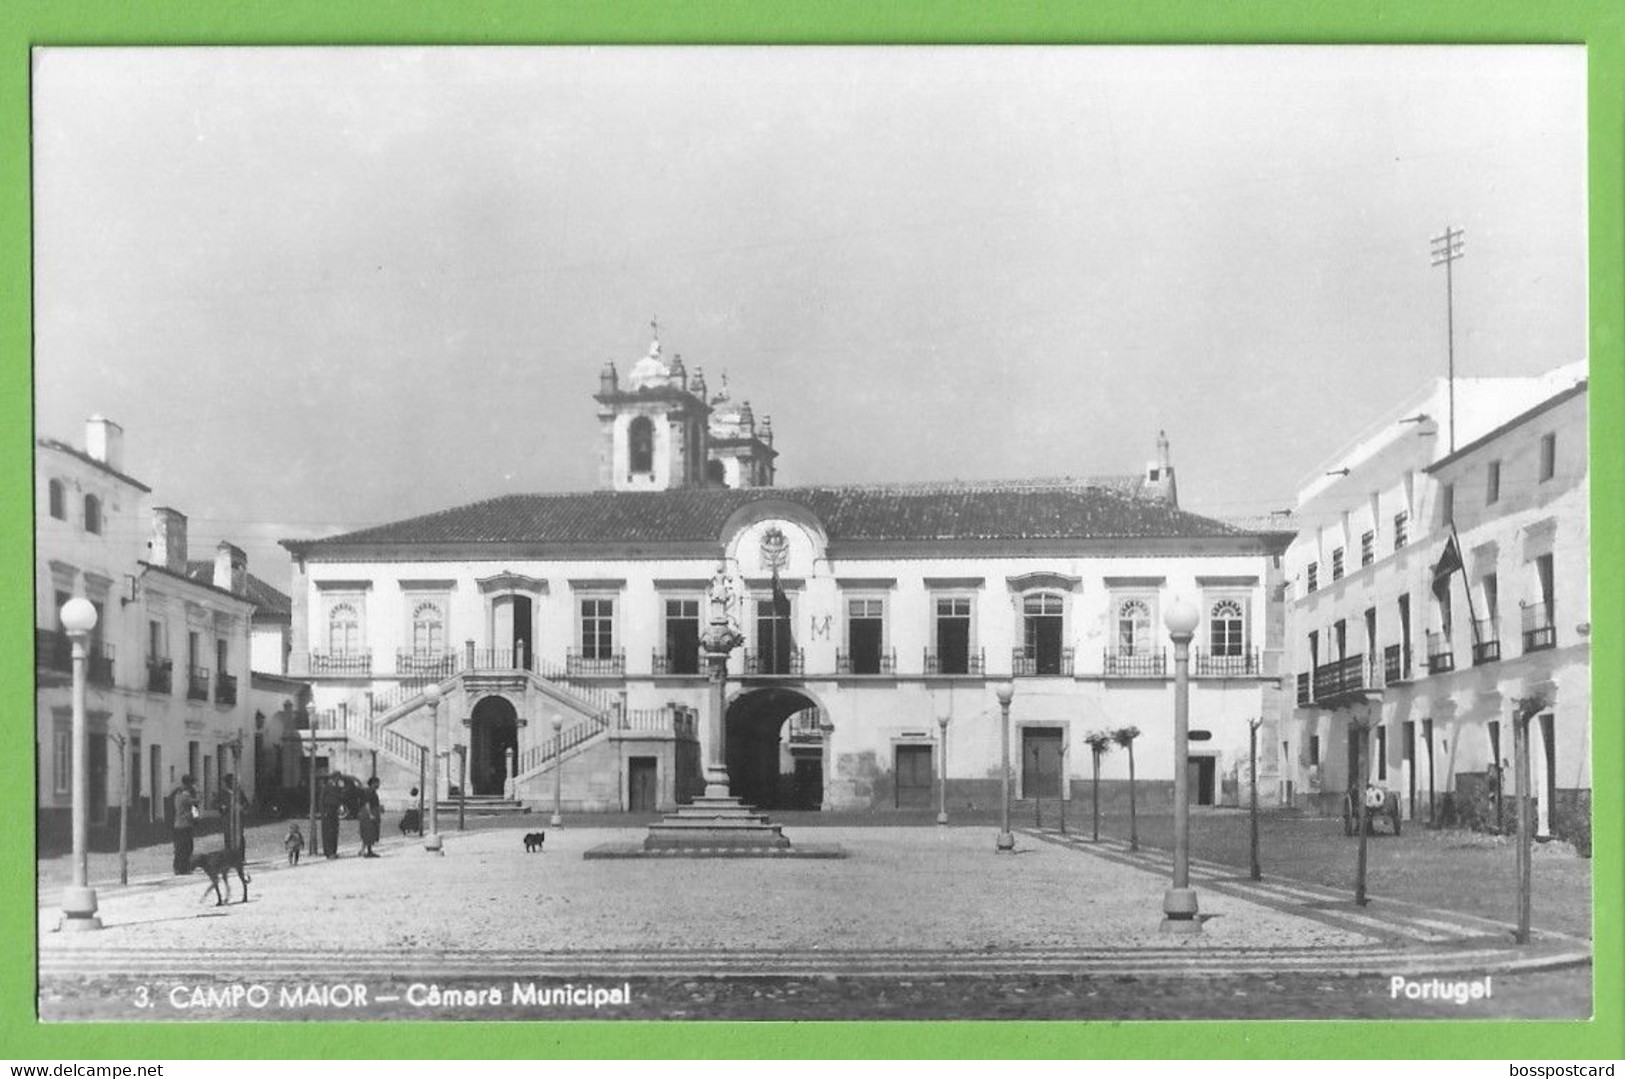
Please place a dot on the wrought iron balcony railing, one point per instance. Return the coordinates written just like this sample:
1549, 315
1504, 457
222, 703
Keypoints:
1539, 630
501, 659
99, 663
788, 661
1486, 641
1041, 662
197, 683
1146, 663
424, 664
349, 664
1241, 664
225, 689
160, 676
955, 661
1441, 653
1396, 664
1352, 674
865, 661
601, 665
685, 661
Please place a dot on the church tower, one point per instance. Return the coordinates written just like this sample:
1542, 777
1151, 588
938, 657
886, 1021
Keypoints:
741, 447
652, 428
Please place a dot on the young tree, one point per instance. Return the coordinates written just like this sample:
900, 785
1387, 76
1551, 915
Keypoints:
1124, 736
1099, 743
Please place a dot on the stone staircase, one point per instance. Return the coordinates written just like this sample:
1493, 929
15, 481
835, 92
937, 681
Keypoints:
482, 805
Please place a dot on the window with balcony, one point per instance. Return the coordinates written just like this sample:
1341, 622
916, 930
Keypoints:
345, 652
865, 636
160, 669
597, 628
682, 638
225, 684
58, 496
775, 650
1402, 521
1492, 483
640, 441
1548, 456
93, 514
1133, 651
1368, 548
1227, 652
1043, 649
952, 633
1539, 618
1337, 563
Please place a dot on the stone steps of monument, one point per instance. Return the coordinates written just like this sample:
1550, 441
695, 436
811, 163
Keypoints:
485, 806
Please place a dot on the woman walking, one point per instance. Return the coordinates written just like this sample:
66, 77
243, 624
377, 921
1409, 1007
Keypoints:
332, 806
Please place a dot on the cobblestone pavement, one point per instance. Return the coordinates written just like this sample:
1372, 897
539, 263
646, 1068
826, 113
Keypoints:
911, 908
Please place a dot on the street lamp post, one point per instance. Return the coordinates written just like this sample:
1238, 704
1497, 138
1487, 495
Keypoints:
942, 787
432, 841
1005, 691
79, 899
558, 771
1179, 902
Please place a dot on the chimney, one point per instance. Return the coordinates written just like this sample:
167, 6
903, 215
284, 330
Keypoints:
1159, 474
231, 569
168, 544
104, 441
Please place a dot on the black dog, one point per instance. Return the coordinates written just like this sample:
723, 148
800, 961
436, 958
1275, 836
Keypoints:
534, 841
219, 864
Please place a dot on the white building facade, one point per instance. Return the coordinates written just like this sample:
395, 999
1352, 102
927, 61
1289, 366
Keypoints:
1386, 628
563, 629
167, 674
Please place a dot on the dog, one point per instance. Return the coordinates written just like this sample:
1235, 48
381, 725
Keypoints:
218, 864
534, 841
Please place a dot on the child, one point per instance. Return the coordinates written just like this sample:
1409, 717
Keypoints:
295, 842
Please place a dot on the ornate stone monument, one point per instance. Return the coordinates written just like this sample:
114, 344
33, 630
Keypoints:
717, 824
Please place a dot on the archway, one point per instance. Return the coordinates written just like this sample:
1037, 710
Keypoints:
764, 768
493, 731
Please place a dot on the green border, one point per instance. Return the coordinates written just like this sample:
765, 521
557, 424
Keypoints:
1599, 24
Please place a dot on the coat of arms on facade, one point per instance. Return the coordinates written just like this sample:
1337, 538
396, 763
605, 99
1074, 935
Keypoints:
775, 549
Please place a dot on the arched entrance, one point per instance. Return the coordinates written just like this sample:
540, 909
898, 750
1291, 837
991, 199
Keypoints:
493, 731
765, 767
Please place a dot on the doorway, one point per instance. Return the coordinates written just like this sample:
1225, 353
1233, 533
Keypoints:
493, 732
1040, 762
1199, 778
512, 630
912, 769
755, 751
96, 758
642, 784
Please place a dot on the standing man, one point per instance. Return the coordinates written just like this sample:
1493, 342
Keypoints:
332, 806
233, 807
183, 804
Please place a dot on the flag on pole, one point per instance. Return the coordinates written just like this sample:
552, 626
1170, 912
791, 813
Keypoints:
1449, 562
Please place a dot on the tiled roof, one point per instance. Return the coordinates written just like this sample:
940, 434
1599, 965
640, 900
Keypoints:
1035, 510
266, 600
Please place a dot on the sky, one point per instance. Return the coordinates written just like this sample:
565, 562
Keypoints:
327, 288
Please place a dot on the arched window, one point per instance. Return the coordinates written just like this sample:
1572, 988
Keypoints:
59, 500
640, 440
93, 514
428, 630
1133, 627
343, 630
1226, 628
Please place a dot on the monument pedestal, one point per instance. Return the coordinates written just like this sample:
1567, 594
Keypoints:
713, 821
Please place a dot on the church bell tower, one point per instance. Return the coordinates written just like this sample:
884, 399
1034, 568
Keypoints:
653, 427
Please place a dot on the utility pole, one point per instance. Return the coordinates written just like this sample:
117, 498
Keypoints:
1447, 248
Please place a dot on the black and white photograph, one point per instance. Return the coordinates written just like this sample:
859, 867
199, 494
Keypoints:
827, 533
